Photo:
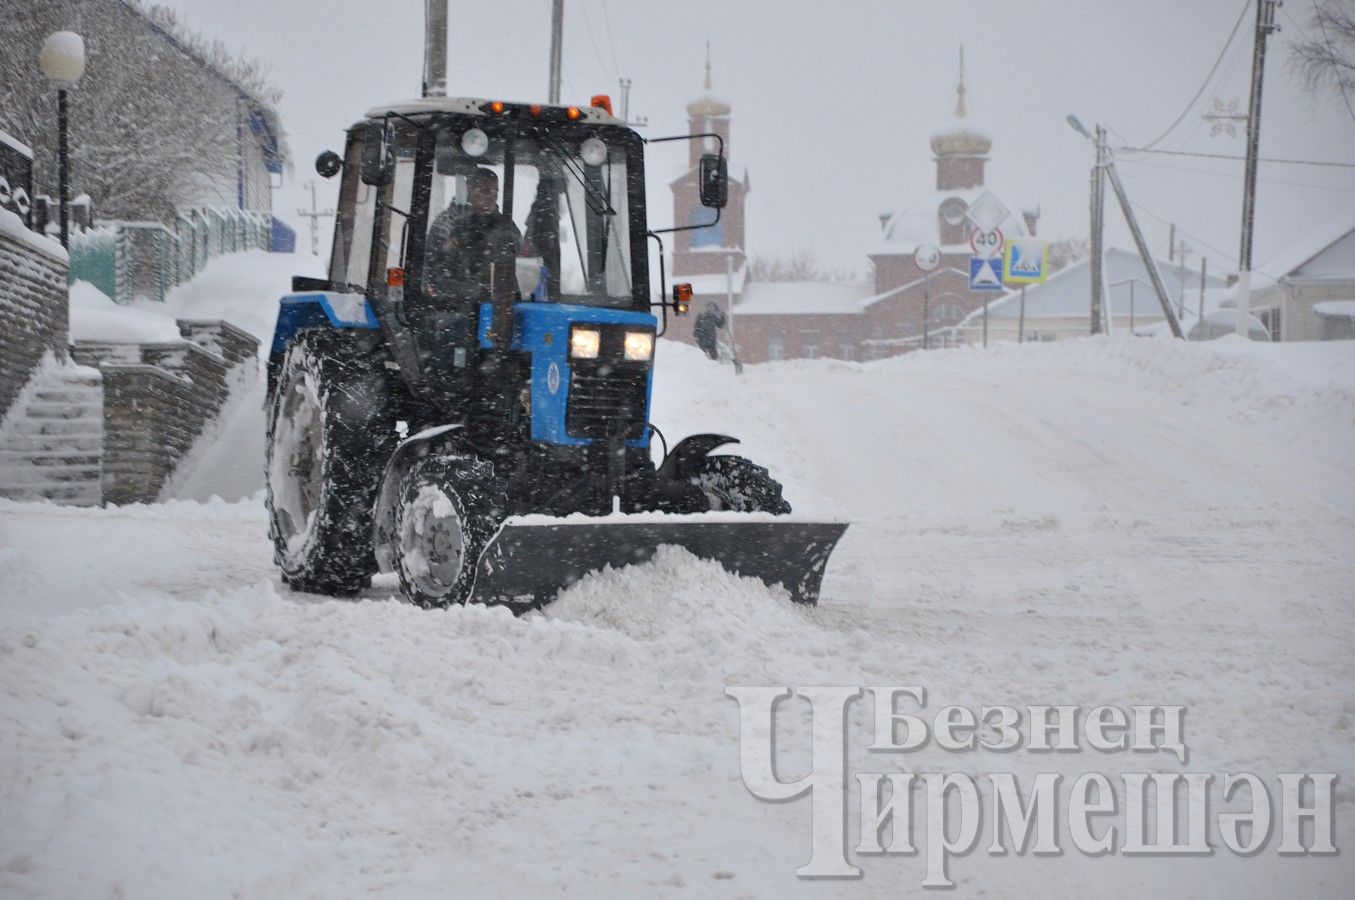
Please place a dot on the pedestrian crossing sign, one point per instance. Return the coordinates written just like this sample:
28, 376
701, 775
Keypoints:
1025, 261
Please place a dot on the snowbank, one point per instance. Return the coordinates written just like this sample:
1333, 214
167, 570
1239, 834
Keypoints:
241, 288
1109, 521
95, 317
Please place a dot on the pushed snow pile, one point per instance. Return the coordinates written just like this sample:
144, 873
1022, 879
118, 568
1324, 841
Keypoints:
258, 725
691, 611
95, 317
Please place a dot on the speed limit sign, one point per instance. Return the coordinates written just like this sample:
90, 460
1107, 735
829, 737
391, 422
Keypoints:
987, 244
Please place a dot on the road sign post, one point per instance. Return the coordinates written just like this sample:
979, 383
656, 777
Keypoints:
927, 257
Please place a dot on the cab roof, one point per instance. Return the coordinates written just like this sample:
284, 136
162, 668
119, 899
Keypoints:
471, 106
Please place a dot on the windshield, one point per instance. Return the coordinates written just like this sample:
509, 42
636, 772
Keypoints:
559, 207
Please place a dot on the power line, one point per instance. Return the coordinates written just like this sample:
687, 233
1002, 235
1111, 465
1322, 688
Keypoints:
1195, 237
1167, 166
596, 50
1204, 84
607, 21
1269, 159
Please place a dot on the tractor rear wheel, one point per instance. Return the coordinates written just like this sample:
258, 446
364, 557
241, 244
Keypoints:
331, 428
735, 484
449, 509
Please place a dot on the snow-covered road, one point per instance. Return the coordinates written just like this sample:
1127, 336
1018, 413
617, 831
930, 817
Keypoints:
1093, 522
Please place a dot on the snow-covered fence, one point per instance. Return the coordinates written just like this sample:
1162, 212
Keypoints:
142, 260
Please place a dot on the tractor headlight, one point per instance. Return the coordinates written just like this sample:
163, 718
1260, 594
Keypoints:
584, 343
639, 346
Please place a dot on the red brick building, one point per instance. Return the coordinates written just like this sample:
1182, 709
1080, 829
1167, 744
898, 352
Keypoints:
883, 316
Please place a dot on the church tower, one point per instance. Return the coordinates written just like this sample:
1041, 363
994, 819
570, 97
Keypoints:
961, 149
703, 251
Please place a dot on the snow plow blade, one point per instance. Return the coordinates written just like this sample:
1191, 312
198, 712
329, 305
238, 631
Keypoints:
531, 560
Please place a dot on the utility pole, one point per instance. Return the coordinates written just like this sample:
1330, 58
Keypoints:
1183, 251
314, 214
1098, 211
557, 33
1204, 269
1265, 25
639, 121
729, 303
434, 50
1148, 262
1105, 168
926, 308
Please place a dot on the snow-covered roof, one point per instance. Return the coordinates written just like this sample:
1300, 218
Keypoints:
1335, 263
1325, 253
471, 106
919, 223
772, 298
1067, 293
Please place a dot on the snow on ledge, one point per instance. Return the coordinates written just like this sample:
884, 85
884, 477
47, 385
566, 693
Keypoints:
10, 140
12, 227
95, 317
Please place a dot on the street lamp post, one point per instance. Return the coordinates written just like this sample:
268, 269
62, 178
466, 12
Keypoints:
63, 62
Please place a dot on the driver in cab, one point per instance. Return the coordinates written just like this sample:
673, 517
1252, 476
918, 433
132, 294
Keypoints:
470, 242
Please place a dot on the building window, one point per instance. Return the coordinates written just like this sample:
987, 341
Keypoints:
1271, 319
809, 346
776, 348
946, 313
713, 236
846, 349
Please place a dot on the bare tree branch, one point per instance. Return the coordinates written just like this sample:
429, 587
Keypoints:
1327, 58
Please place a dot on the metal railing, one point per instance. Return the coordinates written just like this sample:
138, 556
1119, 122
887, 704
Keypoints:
143, 260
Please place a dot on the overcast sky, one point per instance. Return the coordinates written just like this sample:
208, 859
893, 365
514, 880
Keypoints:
833, 102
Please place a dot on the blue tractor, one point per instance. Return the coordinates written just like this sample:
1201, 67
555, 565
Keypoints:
465, 399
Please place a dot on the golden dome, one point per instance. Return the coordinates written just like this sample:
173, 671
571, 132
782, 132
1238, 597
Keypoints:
959, 137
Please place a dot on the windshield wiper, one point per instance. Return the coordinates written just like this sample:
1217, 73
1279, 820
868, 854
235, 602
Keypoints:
600, 203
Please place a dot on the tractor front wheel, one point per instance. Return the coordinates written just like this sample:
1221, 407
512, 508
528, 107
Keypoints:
450, 507
735, 484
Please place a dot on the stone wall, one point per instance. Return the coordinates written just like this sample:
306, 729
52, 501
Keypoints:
234, 345
158, 399
34, 312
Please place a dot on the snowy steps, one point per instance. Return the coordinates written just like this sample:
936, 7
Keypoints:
51, 443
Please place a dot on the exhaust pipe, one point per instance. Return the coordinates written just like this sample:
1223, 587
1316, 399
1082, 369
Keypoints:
435, 48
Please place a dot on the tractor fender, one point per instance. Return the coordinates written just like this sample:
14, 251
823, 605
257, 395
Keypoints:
680, 462
315, 309
297, 312
411, 449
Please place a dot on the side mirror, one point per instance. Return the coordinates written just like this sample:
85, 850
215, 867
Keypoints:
713, 175
328, 164
377, 159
